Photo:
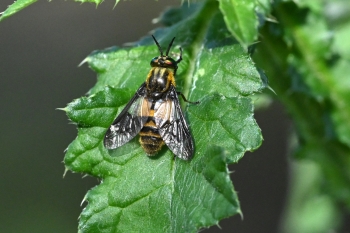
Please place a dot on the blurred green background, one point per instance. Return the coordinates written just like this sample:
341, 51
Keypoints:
40, 49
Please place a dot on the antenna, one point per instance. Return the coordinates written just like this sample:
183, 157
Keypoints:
159, 48
171, 43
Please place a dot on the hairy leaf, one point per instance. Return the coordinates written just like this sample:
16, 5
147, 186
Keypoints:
308, 73
15, 7
241, 19
163, 193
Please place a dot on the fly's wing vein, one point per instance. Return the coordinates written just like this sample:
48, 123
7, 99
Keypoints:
129, 122
172, 126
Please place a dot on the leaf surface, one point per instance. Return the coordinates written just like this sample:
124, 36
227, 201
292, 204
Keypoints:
241, 19
307, 67
163, 193
15, 7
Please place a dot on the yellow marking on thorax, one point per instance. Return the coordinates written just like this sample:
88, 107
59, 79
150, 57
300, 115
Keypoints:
171, 78
160, 71
150, 73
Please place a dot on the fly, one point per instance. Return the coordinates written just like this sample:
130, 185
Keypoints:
154, 112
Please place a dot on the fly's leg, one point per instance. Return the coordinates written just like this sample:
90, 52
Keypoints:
184, 98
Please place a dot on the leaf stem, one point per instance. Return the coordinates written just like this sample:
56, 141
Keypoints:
208, 10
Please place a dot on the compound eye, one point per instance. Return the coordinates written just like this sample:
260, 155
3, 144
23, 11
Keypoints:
170, 63
154, 62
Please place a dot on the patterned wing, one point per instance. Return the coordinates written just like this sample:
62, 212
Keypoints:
172, 125
129, 122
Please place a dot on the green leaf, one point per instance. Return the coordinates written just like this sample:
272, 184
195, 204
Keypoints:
21, 4
310, 80
196, 193
241, 20
163, 196
225, 122
341, 45
309, 210
236, 77
15, 7
323, 74
163, 193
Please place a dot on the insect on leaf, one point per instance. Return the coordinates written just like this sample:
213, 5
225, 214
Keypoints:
163, 193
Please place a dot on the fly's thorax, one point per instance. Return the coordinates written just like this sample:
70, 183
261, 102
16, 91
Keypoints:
159, 80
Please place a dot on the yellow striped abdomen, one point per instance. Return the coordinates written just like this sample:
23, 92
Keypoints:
150, 139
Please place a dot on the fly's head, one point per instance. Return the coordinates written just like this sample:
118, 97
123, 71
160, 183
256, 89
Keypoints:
164, 60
